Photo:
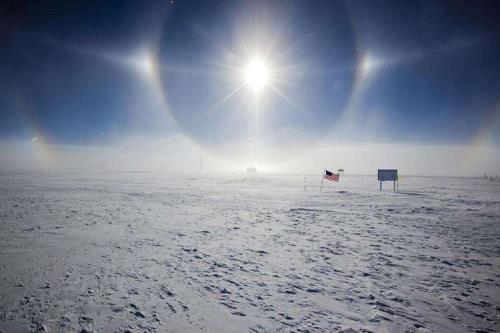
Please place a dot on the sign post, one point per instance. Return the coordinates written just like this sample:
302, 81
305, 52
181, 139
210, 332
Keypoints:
388, 174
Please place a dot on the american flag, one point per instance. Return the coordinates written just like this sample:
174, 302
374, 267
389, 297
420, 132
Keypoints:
334, 177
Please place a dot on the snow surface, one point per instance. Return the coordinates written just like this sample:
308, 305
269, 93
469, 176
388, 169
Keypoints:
237, 253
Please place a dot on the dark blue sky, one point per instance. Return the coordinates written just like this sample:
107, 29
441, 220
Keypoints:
64, 70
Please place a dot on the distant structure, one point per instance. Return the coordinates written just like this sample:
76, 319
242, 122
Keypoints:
388, 174
251, 169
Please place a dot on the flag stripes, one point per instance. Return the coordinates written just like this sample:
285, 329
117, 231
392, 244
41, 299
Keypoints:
334, 177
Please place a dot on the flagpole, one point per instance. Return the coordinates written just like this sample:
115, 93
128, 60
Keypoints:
322, 178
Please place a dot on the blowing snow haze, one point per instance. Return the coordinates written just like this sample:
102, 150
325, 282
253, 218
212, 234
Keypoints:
283, 85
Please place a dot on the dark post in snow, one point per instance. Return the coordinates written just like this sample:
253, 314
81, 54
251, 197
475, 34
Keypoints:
388, 174
322, 178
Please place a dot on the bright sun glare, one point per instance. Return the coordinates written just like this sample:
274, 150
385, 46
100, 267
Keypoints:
257, 75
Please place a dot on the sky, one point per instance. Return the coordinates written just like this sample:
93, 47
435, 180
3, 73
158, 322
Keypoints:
167, 79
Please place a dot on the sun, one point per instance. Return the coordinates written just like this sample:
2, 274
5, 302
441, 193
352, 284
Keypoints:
257, 75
